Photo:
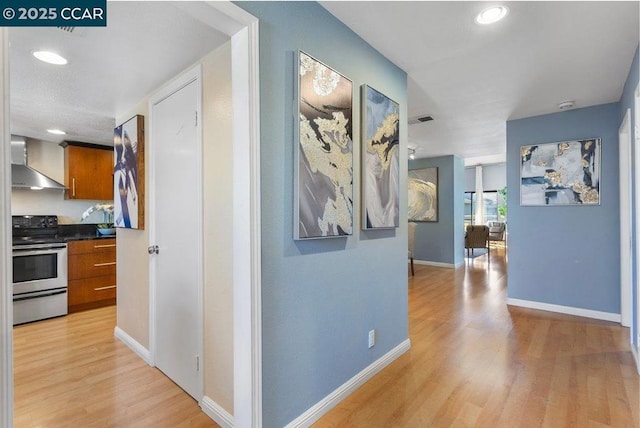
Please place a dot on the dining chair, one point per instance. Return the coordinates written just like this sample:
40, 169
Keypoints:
412, 238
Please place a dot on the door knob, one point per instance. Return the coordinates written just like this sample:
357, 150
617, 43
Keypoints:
153, 249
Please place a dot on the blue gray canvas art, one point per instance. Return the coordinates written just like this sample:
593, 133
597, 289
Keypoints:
324, 199
563, 173
423, 194
380, 163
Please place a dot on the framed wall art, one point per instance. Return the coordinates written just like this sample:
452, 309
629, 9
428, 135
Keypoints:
323, 160
380, 160
128, 174
562, 173
423, 194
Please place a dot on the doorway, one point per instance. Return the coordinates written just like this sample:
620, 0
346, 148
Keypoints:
626, 196
242, 27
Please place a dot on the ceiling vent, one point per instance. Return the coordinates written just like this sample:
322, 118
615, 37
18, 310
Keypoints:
420, 119
73, 31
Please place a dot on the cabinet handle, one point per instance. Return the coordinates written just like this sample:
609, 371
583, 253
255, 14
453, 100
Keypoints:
73, 186
104, 288
104, 264
104, 246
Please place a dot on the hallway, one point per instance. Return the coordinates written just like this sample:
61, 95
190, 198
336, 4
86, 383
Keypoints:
476, 362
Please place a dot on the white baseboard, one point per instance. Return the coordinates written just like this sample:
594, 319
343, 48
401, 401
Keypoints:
216, 412
330, 401
437, 264
587, 313
636, 356
133, 344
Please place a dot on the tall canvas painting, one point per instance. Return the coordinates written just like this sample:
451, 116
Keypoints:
423, 194
128, 174
562, 173
380, 161
323, 171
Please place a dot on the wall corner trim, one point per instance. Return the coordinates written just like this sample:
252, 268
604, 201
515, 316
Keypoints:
330, 401
134, 345
587, 313
636, 356
216, 412
438, 264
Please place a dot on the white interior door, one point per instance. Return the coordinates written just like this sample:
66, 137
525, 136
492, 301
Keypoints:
176, 232
624, 138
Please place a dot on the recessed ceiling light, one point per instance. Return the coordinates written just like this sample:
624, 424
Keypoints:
50, 57
491, 15
56, 132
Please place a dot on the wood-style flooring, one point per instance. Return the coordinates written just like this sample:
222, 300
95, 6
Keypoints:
72, 372
473, 362
476, 362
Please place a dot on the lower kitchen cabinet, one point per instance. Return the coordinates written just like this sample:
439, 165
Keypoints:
92, 274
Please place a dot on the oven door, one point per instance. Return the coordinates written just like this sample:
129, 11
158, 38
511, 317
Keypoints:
39, 268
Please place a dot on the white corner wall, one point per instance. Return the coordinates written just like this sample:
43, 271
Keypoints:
218, 216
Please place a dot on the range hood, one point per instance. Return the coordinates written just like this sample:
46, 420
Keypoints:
22, 175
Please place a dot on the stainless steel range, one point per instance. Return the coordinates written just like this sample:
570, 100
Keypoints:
39, 269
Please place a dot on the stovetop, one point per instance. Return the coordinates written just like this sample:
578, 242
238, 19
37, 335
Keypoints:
38, 229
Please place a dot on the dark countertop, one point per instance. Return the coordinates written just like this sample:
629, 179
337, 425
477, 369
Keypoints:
87, 237
80, 232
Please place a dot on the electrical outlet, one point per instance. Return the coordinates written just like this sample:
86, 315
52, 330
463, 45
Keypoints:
372, 338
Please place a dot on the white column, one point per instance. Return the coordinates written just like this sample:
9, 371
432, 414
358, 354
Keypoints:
479, 214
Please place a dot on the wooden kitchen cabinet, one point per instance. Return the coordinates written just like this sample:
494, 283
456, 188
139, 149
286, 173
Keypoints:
88, 171
92, 274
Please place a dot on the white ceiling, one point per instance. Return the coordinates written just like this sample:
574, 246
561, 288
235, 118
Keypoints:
110, 68
473, 78
470, 78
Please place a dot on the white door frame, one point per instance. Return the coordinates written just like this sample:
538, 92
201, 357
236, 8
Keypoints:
242, 27
637, 213
193, 75
626, 281
6, 265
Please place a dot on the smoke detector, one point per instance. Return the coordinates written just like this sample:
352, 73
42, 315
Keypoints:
566, 105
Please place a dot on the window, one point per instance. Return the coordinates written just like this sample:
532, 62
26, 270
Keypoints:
492, 200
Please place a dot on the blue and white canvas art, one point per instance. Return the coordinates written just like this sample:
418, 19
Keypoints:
128, 174
323, 176
562, 173
380, 161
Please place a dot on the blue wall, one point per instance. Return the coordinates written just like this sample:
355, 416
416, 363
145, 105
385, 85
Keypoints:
627, 101
443, 241
320, 298
566, 256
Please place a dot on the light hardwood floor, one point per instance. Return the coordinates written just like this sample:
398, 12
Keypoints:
476, 362
72, 372
473, 362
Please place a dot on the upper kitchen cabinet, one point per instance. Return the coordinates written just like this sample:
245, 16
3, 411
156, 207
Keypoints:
88, 171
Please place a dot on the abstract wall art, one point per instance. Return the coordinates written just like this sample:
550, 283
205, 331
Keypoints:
323, 163
380, 160
128, 174
423, 194
562, 173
